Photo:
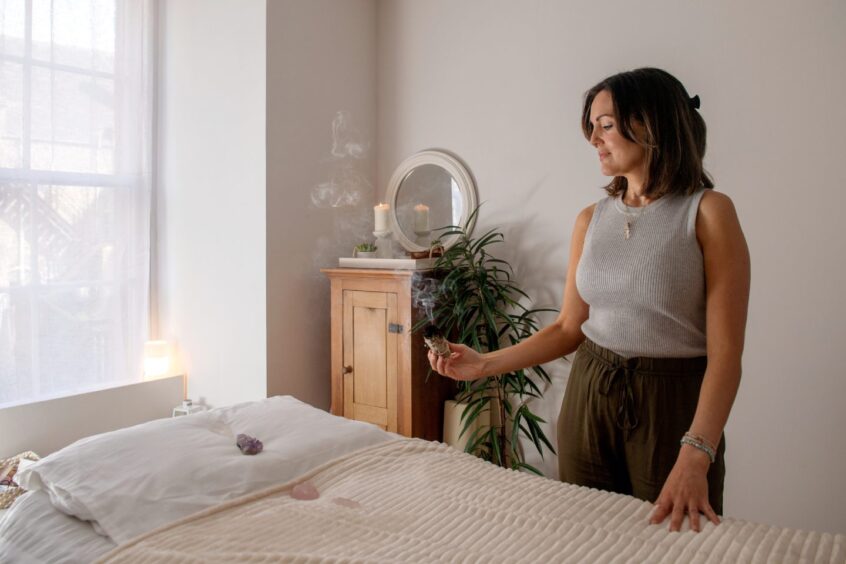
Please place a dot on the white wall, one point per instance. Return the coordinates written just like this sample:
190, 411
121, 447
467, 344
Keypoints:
320, 60
500, 84
211, 200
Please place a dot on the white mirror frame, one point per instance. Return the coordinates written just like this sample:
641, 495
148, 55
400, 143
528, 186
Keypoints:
462, 176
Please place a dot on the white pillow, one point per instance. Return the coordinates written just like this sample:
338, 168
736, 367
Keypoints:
130, 481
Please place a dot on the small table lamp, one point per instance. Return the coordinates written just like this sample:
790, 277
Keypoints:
156, 359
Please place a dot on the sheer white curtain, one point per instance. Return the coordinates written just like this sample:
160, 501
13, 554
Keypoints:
76, 138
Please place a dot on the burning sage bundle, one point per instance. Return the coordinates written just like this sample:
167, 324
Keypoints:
436, 341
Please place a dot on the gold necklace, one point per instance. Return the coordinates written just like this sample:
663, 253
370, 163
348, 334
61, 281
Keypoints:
631, 216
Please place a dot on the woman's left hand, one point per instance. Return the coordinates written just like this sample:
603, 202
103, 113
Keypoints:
685, 492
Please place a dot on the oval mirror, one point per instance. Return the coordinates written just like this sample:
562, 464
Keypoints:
429, 191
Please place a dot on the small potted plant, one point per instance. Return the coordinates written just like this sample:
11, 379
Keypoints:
364, 250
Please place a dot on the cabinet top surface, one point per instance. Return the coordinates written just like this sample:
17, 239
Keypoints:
371, 273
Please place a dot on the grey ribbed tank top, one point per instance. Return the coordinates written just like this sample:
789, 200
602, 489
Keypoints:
646, 293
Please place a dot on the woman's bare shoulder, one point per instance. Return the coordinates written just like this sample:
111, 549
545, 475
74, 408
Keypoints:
717, 218
584, 217
716, 205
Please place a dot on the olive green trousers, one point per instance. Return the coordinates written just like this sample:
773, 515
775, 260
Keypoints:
622, 419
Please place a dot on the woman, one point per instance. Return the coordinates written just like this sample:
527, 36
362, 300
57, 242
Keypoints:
655, 305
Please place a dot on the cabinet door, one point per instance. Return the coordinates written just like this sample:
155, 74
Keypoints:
370, 349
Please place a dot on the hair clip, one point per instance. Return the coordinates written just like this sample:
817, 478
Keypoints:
694, 102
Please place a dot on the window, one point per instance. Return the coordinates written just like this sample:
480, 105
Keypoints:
76, 97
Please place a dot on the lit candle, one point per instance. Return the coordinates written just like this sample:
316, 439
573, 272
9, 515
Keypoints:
421, 217
380, 214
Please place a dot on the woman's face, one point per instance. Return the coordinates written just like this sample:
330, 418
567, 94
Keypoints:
617, 155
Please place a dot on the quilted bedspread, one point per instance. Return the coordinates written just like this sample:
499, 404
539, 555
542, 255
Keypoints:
418, 501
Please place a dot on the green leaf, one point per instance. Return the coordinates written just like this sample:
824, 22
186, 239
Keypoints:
493, 437
529, 467
515, 424
475, 411
476, 440
537, 431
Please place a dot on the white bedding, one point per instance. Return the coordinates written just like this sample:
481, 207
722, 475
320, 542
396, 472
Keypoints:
146, 477
133, 480
418, 501
33, 531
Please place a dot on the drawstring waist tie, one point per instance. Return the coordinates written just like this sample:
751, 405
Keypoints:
625, 370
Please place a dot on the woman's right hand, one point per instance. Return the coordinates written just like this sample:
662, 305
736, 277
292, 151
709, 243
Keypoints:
463, 363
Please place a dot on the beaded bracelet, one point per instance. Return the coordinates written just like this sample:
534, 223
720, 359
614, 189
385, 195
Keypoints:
695, 442
701, 439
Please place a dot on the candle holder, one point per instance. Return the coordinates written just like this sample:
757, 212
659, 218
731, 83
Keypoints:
423, 237
384, 244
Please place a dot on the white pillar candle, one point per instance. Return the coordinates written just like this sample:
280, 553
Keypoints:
421, 217
380, 214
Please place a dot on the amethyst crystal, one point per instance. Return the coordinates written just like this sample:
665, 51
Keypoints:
248, 444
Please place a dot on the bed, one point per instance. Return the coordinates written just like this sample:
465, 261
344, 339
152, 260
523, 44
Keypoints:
329, 489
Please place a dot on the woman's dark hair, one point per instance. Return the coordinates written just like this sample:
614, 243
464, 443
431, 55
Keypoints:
674, 132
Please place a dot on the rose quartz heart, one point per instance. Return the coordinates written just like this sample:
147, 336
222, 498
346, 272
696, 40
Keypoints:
305, 491
346, 502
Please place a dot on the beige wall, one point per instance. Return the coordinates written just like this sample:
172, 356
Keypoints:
500, 83
211, 200
320, 61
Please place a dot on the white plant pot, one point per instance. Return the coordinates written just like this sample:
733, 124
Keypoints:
364, 254
453, 424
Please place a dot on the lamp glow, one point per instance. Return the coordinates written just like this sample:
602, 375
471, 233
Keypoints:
156, 359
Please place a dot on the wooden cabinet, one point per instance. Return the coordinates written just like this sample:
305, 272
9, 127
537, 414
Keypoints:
379, 368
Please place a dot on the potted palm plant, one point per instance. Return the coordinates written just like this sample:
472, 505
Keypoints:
478, 304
